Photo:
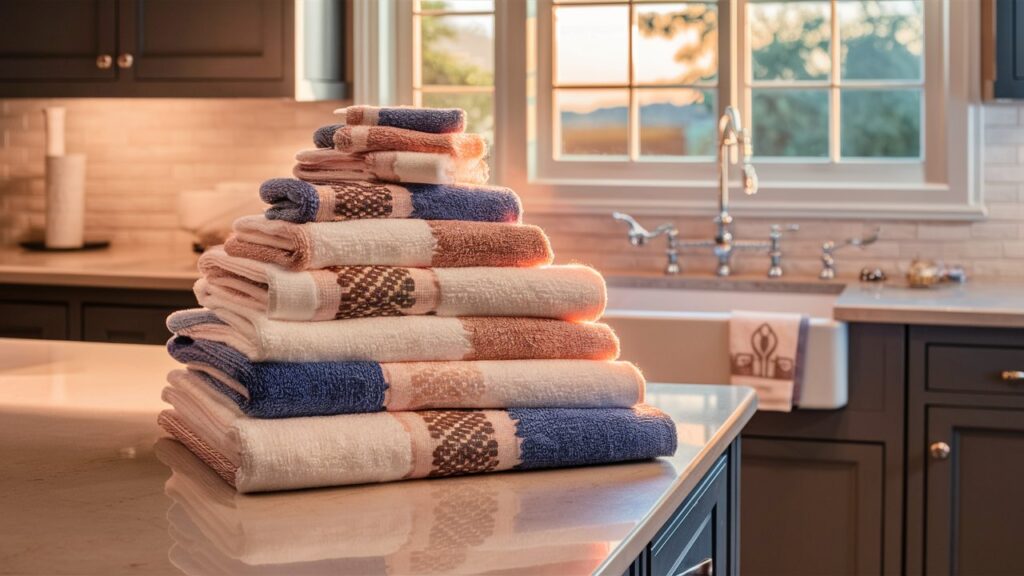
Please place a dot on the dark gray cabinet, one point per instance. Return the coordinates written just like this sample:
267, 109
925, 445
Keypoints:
91, 314
974, 502
811, 507
171, 48
702, 536
1007, 19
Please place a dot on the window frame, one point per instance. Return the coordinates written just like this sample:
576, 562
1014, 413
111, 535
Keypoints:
946, 186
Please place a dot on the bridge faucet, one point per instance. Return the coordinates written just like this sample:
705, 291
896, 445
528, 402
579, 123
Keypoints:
731, 140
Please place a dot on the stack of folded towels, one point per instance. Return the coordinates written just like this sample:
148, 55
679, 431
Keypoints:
389, 317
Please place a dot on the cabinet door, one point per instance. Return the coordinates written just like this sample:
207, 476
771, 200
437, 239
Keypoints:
1009, 49
974, 506
811, 507
125, 324
225, 40
45, 321
57, 40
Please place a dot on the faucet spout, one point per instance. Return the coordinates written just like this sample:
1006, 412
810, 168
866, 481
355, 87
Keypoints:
733, 142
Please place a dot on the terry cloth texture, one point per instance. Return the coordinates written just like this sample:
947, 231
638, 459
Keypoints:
359, 139
300, 202
570, 292
390, 521
431, 120
324, 136
290, 389
292, 453
389, 242
328, 166
398, 339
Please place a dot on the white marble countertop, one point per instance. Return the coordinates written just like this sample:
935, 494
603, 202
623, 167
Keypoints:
83, 490
978, 302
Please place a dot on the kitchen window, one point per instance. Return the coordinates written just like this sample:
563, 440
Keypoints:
859, 108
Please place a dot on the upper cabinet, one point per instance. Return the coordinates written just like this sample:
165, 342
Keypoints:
173, 48
1002, 49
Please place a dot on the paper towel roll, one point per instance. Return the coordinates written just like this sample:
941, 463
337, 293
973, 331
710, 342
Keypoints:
65, 201
54, 130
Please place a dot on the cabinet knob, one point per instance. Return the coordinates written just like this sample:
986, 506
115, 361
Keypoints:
125, 60
104, 61
1013, 375
939, 450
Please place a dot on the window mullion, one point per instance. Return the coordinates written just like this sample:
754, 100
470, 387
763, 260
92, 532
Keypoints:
634, 110
835, 107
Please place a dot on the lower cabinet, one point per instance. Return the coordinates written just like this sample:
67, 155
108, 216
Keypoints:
84, 313
811, 507
701, 536
974, 506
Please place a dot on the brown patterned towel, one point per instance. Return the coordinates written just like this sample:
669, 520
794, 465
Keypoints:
327, 166
358, 139
565, 292
388, 242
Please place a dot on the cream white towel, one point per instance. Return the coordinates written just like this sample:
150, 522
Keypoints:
767, 353
563, 292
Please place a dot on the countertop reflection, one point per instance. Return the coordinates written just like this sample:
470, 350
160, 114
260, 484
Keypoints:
89, 487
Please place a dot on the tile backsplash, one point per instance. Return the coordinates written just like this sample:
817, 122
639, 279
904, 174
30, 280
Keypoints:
143, 151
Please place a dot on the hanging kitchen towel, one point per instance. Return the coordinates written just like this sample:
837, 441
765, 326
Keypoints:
300, 202
360, 139
567, 292
256, 455
327, 166
388, 242
398, 339
767, 353
290, 389
432, 120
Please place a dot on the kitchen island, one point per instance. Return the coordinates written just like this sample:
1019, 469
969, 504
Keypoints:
89, 487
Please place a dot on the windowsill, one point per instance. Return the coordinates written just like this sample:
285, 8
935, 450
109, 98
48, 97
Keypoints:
790, 200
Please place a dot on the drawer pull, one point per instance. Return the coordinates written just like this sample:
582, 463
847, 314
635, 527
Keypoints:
939, 450
1013, 375
705, 567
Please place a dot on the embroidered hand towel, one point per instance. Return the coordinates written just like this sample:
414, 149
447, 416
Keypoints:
432, 120
290, 389
401, 339
257, 455
300, 202
397, 519
767, 353
569, 292
327, 166
360, 139
412, 243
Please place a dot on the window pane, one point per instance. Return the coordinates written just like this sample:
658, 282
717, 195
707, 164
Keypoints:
676, 43
790, 123
881, 40
479, 109
593, 121
592, 45
457, 50
790, 40
455, 5
881, 123
677, 122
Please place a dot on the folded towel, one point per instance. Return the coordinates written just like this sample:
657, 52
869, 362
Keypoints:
569, 292
432, 120
400, 519
388, 242
289, 389
331, 166
359, 139
405, 339
767, 353
258, 455
300, 202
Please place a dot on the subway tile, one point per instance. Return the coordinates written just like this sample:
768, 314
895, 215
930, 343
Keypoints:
943, 231
1001, 154
1000, 114
993, 230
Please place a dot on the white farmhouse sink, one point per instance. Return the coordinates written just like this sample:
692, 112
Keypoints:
682, 335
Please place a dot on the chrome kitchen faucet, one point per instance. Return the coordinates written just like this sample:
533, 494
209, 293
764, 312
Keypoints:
733, 148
